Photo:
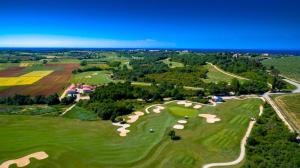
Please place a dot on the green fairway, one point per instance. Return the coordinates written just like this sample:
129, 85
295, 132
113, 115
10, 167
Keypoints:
92, 77
288, 66
214, 75
80, 113
75, 143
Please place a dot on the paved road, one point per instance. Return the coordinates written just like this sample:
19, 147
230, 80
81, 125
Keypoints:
295, 84
277, 110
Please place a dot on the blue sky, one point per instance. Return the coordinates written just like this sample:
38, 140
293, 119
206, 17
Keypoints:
204, 24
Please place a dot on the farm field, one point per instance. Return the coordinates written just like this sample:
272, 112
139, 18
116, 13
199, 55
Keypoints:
12, 71
50, 84
4, 66
26, 79
288, 66
75, 143
92, 77
290, 105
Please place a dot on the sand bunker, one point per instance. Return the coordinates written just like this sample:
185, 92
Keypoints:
24, 161
158, 109
185, 103
123, 131
210, 118
134, 117
197, 106
178, 126
88, 77
182, 121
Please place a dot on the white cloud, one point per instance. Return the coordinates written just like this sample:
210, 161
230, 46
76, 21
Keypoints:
74, 42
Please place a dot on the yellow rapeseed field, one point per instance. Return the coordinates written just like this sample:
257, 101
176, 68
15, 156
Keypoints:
26, 79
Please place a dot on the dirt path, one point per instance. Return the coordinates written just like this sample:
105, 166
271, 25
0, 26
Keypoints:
243, 147
67, 110
242, 153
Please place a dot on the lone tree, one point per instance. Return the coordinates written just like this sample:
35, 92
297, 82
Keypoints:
173, 135
83, 63
44, 61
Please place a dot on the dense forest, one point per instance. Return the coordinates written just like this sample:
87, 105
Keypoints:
271, 144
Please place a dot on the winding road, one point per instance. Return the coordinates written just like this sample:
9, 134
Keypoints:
267, 98
295, 84
277, 109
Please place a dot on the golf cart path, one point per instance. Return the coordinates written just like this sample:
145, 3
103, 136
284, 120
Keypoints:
243, 146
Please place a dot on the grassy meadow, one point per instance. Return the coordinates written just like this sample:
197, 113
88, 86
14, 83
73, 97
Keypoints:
75, 143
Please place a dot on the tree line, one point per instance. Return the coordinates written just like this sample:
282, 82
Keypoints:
40, 99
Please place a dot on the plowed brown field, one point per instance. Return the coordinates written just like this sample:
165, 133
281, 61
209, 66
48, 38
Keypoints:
13, 71
53, 83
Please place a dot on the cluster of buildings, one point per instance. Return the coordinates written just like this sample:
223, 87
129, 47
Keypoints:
75, 89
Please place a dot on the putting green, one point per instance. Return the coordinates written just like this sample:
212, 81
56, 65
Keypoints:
181, 111
74, 143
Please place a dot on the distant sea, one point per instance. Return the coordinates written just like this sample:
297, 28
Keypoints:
257, 51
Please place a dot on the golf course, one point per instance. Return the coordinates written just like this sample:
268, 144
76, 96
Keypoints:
75, 143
